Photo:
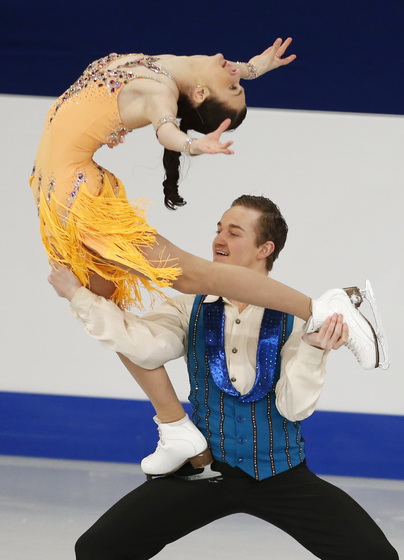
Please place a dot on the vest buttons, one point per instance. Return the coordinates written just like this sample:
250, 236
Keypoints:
234, 350
233, 379
240, 419
238, 321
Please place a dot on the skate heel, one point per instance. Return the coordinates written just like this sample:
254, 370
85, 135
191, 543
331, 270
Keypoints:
202, 459
368, 294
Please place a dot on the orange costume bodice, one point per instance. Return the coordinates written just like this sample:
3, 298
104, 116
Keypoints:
83, 210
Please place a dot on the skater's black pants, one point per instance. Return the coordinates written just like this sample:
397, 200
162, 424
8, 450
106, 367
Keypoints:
320, 516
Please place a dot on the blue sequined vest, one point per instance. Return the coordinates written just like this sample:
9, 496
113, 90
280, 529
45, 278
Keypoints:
244, 431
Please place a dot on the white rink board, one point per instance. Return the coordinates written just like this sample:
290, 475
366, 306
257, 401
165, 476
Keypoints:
338, 179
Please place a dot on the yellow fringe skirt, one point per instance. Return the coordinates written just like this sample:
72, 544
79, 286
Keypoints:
96, 230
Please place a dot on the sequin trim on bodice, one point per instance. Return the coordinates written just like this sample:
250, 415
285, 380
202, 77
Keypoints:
113, 79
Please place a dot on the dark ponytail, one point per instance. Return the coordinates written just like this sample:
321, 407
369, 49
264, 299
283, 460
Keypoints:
204, 119
171, 162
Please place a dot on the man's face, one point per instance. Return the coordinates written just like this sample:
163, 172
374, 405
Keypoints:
236, 239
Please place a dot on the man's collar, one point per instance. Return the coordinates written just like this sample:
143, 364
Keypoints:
212, 299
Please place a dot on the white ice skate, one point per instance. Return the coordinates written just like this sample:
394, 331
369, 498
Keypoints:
178, 443
364, 341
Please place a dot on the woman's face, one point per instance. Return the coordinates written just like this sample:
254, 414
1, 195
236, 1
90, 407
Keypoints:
223, 79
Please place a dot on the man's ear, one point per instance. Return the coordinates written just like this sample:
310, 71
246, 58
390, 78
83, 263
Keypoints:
266, 249
200, 93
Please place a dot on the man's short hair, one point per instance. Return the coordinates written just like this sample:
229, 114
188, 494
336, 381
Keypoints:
271, 225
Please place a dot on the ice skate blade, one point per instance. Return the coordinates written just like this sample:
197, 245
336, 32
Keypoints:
160, 475
368, 294
206, 474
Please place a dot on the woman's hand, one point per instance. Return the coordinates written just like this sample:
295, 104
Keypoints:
271, 58
332, 335
210, 143
63, 280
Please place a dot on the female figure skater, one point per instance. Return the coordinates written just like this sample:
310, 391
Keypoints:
86, 221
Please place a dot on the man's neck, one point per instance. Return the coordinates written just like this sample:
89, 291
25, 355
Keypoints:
240, 306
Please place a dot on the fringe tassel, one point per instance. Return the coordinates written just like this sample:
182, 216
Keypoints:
103, 228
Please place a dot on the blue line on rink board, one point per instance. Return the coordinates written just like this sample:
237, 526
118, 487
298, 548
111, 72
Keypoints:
120, 430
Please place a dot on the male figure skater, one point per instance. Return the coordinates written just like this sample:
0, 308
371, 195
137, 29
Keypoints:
254, 374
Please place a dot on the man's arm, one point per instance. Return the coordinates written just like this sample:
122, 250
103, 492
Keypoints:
149, 342
303, 361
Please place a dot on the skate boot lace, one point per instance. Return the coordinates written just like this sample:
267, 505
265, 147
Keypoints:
160, 442
354, 347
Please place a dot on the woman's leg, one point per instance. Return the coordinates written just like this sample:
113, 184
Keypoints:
156, 384
179, 439
200, 276
240, 284
159, 390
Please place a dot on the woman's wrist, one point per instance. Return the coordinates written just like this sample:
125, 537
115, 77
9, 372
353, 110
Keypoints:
248, 70
186, 148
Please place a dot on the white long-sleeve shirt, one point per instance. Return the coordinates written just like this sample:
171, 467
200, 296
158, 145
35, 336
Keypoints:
162, 335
